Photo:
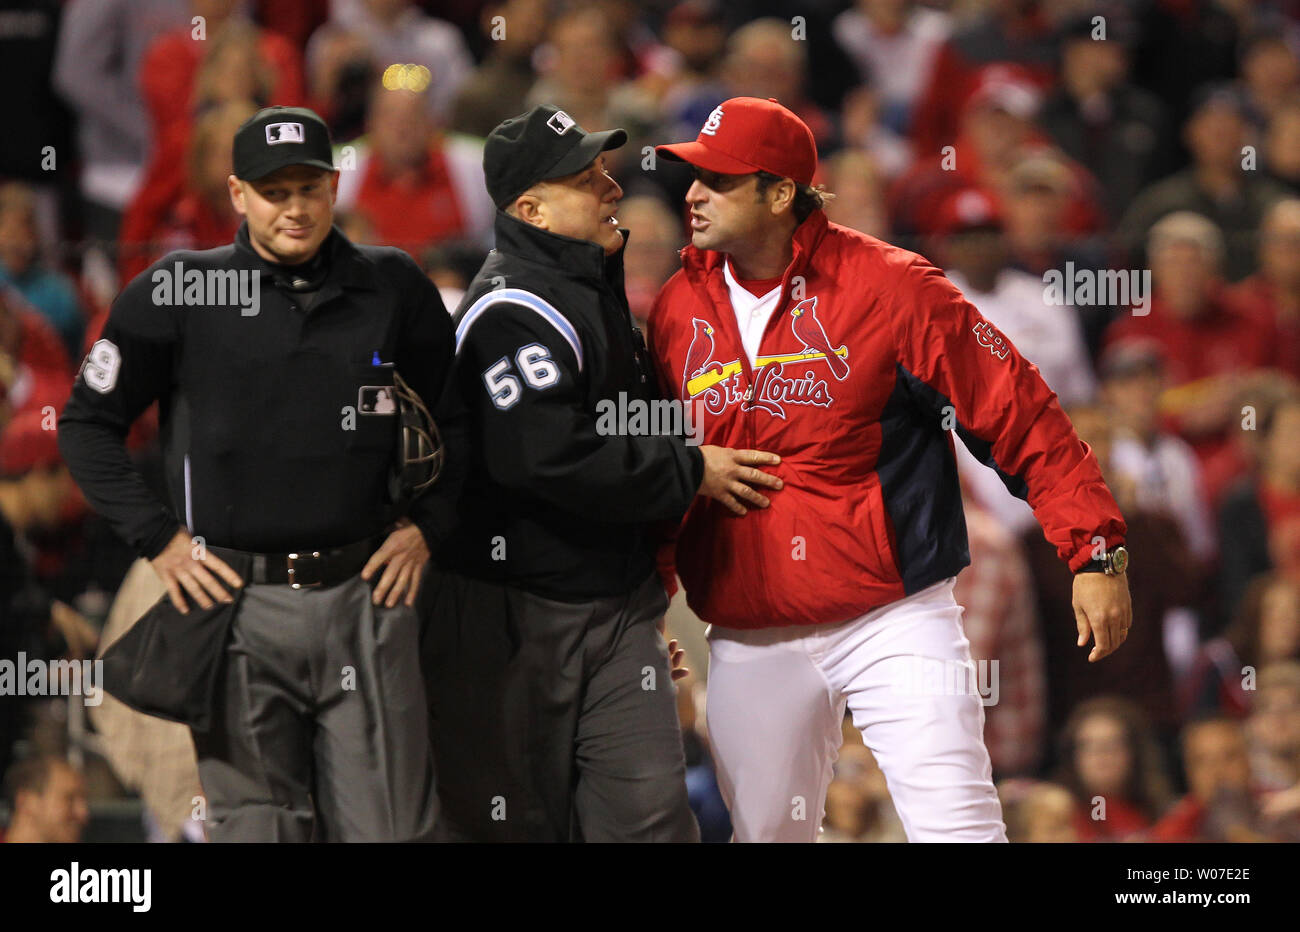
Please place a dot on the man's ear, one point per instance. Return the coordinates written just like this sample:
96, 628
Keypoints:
334, 186
236, 188
531, 209
782, 196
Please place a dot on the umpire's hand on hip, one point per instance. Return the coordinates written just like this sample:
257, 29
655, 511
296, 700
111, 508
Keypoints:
404, 553
1102, 609
730, 477
185, 565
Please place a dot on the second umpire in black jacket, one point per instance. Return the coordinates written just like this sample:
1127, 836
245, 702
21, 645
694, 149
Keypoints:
554, 711
274, 364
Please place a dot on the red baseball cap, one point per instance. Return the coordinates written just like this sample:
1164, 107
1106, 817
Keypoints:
744, 135
966, 209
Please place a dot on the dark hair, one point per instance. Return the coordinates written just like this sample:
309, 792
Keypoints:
1147, 786
32, 774
807, 198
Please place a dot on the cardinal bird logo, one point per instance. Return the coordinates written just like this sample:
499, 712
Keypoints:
700, 356
808, 330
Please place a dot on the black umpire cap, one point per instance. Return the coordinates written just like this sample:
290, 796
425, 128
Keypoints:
543, 143
280, 136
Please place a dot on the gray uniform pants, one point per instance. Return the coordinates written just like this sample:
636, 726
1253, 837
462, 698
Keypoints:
554, 721
321, 725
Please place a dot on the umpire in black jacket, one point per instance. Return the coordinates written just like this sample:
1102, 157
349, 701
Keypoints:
554, 711
289, 640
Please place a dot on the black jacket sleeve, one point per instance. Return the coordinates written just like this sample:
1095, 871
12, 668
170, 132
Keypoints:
128, 368
518, 381
424, 354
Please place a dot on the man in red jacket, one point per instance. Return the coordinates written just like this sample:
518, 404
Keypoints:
854, 361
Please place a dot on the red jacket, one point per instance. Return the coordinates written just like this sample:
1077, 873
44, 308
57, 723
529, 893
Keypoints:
871, 509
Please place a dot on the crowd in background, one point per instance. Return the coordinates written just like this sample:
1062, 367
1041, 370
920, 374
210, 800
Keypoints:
1115, 186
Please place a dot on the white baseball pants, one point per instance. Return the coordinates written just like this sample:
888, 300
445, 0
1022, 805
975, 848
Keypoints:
776, 700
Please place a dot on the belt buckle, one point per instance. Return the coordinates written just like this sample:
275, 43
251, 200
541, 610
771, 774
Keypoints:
294, 571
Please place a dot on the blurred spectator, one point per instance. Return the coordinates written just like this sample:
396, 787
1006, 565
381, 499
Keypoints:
47, 797
1161, 470
170, 70
1266, 631
38, 128
764, 60
1216, 185
496, 89
1259, 510
1159, 473
1001, 623
866, 136
997, 131
1162, 576
1274, 724
894, 44
1037, 813
102, 44
695, 32
1036, 197
973, 252
1208, 345
1282, 147
35, 491
34, 366
1270, 75
415, 185
296, 20
1220, 805
650, 258
46, 289
201, 216
378, 35
859, 201
1272, 295
582, 64
1114, 129
1005, 31
1112, 767
858, 807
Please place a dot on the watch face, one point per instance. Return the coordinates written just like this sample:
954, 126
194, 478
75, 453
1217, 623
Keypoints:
1119, 559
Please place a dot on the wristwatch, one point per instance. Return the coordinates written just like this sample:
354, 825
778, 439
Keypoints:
1112, 562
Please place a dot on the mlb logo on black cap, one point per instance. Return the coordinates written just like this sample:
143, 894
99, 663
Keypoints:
561, 122
277, 133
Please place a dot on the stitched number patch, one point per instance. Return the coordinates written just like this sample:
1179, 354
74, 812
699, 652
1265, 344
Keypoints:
534, 363
101, 366
539, 369
989, 337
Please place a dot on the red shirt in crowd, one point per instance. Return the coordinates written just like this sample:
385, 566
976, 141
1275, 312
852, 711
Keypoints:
413, 209
1123, 822
1257, 297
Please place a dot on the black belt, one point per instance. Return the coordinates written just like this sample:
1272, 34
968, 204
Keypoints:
304, 569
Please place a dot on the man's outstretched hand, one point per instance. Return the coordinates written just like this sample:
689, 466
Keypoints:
1102, 611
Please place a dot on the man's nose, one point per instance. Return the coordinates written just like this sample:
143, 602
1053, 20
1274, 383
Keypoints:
696, 193
615, 191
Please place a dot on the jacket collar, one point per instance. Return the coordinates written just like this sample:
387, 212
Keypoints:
700, 264
578, 258
349, 268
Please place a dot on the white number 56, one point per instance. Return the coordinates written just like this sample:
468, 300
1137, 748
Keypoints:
537, 367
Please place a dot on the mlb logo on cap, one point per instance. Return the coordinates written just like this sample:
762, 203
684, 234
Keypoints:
561, 122
277, 133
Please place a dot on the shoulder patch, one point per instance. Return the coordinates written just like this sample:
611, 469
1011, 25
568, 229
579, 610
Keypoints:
102, 365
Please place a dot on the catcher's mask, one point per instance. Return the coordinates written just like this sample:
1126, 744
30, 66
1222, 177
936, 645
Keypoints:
419, 446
